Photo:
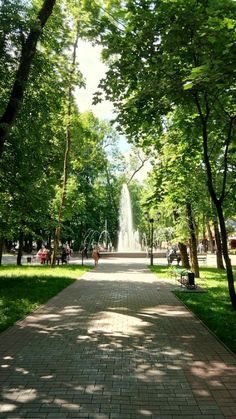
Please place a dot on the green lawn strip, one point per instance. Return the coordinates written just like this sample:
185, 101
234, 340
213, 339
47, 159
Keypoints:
161, 271
213, 307
23, 289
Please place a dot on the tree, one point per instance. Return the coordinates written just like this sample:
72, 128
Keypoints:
170, 54
28, 51
72, 72
30, 165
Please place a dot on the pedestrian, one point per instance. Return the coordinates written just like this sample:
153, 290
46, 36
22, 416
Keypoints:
95, 255
48, 253
64, 255
42, 255
68, 252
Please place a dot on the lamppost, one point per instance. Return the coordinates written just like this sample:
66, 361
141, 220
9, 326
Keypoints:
151, 222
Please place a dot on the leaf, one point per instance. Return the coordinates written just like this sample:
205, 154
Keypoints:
188, 85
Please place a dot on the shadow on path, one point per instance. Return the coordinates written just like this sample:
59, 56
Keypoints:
115, 344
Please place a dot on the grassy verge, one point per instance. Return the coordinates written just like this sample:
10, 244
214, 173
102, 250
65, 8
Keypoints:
23, 289
213, 307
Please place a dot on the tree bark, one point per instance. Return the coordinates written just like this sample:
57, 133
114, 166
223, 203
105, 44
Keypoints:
204, 241
219, 255
111, 192
193, 240
218, 201
210, 237
227, 260
67, 153
27, 55
1, 250
30, 248
20, 250
184, 255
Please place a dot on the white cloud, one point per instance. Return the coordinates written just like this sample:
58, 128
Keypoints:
93, 70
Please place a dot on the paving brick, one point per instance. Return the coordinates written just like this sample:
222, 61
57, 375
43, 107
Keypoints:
115, 344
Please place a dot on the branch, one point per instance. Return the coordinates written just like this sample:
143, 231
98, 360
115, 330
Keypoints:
110, 15
223, 109
204, 120
143, 161
28, 52
227, 143
229, 190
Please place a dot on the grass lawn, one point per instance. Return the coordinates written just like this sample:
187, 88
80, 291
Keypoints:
24, 288
213, 307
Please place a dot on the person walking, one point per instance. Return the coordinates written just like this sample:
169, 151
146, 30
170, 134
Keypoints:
95, 255
48, 254
41, 255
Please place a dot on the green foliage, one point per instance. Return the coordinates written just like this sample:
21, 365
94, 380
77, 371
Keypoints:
171, 66
212, 307
32, 163
23, 289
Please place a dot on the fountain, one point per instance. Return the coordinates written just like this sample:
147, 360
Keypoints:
128, 240
95, 237
129, 243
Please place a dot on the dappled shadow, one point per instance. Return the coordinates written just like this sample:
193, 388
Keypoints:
22, 290
112, 344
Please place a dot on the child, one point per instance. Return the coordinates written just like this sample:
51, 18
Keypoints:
95, 255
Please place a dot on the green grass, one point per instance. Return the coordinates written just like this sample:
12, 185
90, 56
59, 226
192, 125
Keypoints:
24, 288
213, 307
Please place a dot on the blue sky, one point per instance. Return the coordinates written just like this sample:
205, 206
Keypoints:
93, 69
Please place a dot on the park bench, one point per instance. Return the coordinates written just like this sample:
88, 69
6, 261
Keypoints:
174, 256
202, 258
185, 277
61, 259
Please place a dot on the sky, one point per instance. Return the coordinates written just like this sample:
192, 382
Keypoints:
93, 70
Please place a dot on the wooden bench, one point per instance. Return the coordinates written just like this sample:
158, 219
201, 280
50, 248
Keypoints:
202, 258
172, 257
183, 276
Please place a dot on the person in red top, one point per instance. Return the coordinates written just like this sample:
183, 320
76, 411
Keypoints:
42, 255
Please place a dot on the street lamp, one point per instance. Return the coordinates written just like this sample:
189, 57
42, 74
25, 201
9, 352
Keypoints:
151, 222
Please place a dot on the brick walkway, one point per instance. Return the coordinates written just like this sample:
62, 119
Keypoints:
115, 344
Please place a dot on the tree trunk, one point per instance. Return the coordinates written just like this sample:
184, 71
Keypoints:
184, 255
204, 241
227, 260
67, 153
111, 191
210, 237
49, 240
20, 250
39, 244
219, 255
30, 244
218, 202
27, 55
193, 241
1, 250
8, 245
